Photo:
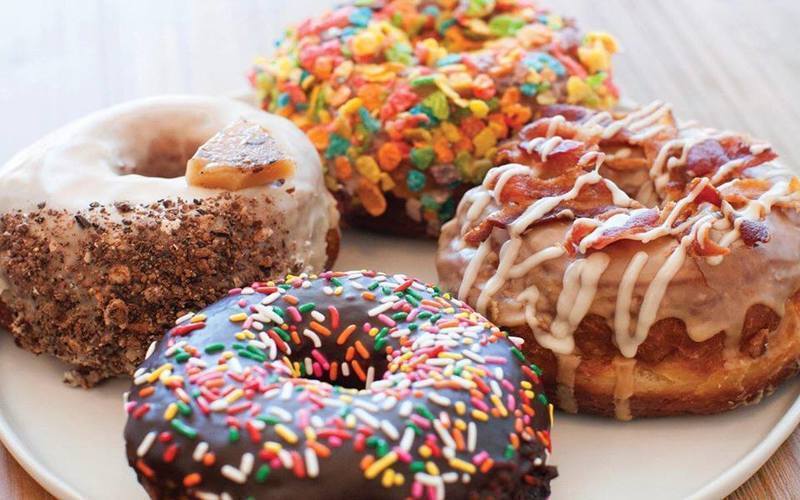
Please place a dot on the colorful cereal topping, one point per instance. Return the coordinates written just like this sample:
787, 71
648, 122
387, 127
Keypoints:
408, 99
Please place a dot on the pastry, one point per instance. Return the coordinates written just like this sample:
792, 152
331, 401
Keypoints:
652, 266
103, 239
346, 385
406, 100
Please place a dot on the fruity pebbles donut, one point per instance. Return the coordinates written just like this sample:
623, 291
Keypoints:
347, 385
406, 100
117, 222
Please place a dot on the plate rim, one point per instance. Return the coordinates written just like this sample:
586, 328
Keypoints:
38, 471
752, 462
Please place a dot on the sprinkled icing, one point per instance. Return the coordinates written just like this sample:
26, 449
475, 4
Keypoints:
409, 98
346, 377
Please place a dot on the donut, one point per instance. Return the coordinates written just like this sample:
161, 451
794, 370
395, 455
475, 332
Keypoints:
651, 266
406, 100
112, 225
343, 385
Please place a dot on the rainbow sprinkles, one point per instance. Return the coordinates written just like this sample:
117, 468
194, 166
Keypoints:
334, 381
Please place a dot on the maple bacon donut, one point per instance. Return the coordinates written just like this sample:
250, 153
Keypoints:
406, 100
347, 385
654, 268
117, 222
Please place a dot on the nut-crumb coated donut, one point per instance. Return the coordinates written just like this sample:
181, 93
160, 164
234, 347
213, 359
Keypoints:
103, 240
347, 385
406, 100
654, 267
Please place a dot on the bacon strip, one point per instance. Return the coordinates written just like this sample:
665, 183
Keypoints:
705, 158
501, 218
639, 222
558, 168
708, 248
753, 232
563, 156
525, 189
709, 194
570, 112
740, 191
593, 200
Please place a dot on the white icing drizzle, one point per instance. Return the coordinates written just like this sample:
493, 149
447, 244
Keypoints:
508, 253
577, 295
510, 249
582, 275
619, 197
539, 208
527, 265
627, 344
646, 194
471, 273
552, 126
724, 171
548, 146
543, 145
622, 311
754, 210
638, 120
652, 299
480, 200
505, 173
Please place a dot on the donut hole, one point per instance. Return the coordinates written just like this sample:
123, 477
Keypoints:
165, 157
354, 376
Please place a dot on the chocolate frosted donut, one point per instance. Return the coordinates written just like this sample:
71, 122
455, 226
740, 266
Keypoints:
357, 385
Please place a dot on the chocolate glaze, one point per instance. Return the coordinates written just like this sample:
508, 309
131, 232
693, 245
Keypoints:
415, 348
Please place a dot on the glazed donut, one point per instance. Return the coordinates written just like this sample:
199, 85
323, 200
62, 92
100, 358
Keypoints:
103, 239
406, 100
346, 385
652, 267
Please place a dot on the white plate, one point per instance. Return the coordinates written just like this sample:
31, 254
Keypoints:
70, 440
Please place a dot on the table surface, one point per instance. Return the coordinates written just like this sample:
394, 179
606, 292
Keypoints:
728, 63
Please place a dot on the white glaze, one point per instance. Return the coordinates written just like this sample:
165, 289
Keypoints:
652, 300
75, 165
580, 286
78, 165
622, 311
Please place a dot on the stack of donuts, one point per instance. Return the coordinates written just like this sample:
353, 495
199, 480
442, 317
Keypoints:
613, 261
